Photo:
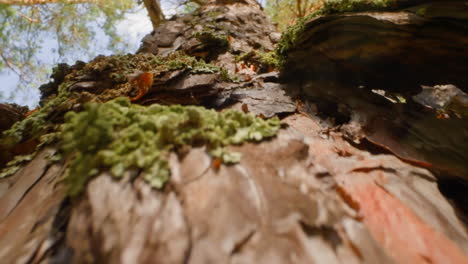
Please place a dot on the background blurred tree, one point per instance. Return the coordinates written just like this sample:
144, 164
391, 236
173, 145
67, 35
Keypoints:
37, 34
285, 12
32, 33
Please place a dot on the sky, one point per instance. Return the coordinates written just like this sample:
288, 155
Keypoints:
134, 27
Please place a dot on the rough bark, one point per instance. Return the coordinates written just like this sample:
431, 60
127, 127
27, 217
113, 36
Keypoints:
9, 114
309, 195
378, 56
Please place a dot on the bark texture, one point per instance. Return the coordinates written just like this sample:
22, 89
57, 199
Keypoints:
319, 192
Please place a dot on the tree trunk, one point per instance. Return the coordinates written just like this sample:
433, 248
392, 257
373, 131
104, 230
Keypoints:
317, 192
154, 12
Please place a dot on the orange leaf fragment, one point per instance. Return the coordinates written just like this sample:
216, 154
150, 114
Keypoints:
143, 82
31, 112
216, 164
245, 108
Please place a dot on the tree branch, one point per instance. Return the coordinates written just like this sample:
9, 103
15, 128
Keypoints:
154, 12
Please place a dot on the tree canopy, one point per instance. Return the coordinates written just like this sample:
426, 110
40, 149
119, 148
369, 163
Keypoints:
34, 34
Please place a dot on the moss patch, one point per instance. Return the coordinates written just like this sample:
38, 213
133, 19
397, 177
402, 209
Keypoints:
117, 67
14, 165
211, 39
118, 136
211, 44
341, 6
114, 68
36, 124
265, 61
109, 69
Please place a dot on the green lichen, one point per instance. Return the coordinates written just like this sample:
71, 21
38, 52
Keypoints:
342, 6
14, 165
117, 67
118, 136
200, 66
114, 68
36, 124
292, 34
264, 58
210, 39
213, 13
226, 77
268, 59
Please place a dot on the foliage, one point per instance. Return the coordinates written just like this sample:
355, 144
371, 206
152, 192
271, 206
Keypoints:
286, 12
70, 30
120, 136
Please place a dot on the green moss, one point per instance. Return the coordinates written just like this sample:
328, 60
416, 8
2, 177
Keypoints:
247, 56
341, 6
14, 165
210, 39
422, 11
268, 58
118, 67
35, 124
213, 13
291, 35
226, 77
118, 136
114, 68
264, 60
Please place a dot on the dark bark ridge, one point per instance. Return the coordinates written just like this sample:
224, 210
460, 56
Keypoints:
381, 61
308, 195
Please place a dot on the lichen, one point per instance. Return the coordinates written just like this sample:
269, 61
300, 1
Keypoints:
118, 136
117, 67
342, 6
35, 124
14, 165
114, 69
292, 34
268, 59
211, 39
265, 60
212, 43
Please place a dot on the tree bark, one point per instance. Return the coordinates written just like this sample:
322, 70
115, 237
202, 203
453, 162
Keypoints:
312, 194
